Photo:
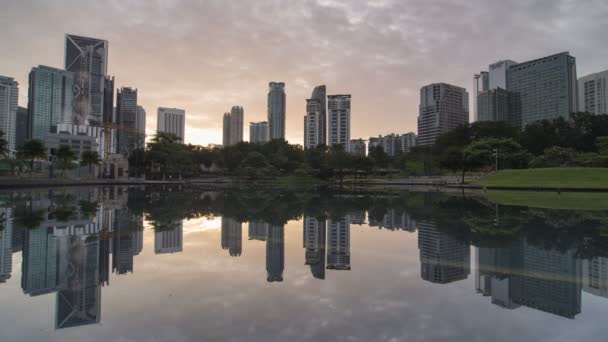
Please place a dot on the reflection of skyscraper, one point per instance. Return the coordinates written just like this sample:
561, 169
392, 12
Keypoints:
357, 217
443, 259
595, 276
275, 253
258, 230
232, 236
138, 238
122, 253
494, 268
338, 244
393, 220
39, 273
6, 244
169, 241
79, 300
314, 243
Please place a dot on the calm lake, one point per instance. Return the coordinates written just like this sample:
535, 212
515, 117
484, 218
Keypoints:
167, 264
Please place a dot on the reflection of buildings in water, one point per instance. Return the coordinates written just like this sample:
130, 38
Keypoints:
393, 220
169, 241
443, 258
595, 276
39, 272
6, 244
258, 230
232, 236
357, 217
127, 240
314, 244
522, 274
338, 244
275, 253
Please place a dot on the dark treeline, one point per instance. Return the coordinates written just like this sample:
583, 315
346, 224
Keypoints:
581, 140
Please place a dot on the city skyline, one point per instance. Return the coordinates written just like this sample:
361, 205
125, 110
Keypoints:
379, 88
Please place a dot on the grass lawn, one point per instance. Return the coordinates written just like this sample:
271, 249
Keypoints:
550, 200
565, 178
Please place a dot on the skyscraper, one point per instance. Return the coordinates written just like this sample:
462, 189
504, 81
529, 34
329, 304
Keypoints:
49, 100
22, 126
258, 132
275, 253
320, 94
172, 120
443, 107
312, 124
357, 147
443, 258
236, 125
87, 58
9, 97
593, 93
338, 130
226, 130
493, 105
314, 245
544, 88
338, 243
140, 127
126, 113
108, 100
232, 236
6, 243
276, 110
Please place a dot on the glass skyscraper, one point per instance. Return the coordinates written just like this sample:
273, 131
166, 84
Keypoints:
276, 110
9, 93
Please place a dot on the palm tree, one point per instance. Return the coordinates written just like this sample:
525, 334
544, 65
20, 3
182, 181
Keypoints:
31, 150
3, 145
65, 158
90, 158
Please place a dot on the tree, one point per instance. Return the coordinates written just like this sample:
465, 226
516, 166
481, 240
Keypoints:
379, 157
30, 151
602, 145
4, 150
511, 155
90, 158
65, 158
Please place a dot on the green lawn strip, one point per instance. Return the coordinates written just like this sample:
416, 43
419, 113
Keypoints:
550, 200
565, 178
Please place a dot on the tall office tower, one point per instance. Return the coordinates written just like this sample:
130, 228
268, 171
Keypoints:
9, 97
171, 240
79, 298
320, 94
275, 253
226, 130
595, 276
314, 244
126, 112
49, 100
140, 127
498, 74
258, 230
338, 243
232, 236
87, 58
276, 110
258, 132
593, 93
443, 258
493, 105
108, 100
491, 81
443, 107
481, 83
338, 131
313, 124
172, 120
21, 126
6, 243
357, 147
544, 88
558, 289
122, 247
39, 271
236, 125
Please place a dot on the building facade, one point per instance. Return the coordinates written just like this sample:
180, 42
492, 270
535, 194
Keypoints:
140, 127
172, 120
226, 130
236, 125
108, 100
320, 94
276, 110
21, 126
493, 105
593, 93
9, 97
49, 100
544, 88
87, 59
105, 138
357, 147
258, 132
338, 130
126, 113
443, 107
338, 243
312, 124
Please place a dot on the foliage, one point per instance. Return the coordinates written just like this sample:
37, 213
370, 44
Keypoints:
90, 158
4, 149
30, 151
65, 158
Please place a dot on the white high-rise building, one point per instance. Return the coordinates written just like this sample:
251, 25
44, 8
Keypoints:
236, 125
9, 95
313, 124
593, 93
172, 120
338, 107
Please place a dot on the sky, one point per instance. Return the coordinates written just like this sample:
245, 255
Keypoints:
206, 56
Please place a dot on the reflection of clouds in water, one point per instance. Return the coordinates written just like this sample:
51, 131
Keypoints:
202, 225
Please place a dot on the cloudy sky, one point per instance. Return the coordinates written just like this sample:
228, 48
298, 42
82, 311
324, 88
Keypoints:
208, 55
